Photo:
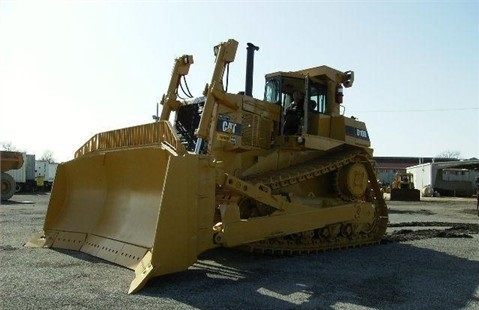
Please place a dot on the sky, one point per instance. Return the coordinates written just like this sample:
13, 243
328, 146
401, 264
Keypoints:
71, 69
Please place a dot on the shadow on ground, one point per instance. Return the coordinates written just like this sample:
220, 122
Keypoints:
392, 276
17, 202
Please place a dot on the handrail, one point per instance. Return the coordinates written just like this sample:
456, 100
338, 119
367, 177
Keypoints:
130, 137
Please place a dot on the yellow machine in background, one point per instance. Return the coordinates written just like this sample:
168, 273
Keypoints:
403, 188
9, 161
225, 173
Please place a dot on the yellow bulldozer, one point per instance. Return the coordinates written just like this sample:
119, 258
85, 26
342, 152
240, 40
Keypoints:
403, 188
228, 170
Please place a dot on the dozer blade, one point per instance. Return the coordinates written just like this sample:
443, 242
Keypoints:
405, 194
136, 207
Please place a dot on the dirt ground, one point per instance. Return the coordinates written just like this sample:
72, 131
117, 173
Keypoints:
429, 259
440, 217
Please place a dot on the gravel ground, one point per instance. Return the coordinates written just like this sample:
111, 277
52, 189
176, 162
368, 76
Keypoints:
423, 273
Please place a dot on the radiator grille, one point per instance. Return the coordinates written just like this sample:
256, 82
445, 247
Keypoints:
256, 131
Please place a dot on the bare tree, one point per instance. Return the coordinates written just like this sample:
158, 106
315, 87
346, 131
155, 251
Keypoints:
8, 146
449, 154
48, 156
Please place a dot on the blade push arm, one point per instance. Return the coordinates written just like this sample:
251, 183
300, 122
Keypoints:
170, 102
225, 53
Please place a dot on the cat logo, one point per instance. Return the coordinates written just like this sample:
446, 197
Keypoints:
228, 127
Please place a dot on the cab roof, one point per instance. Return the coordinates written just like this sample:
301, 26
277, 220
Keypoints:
320, 72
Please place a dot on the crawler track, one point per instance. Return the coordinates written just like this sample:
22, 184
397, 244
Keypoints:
331, 237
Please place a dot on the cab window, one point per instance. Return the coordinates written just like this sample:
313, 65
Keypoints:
272, 91
317, 97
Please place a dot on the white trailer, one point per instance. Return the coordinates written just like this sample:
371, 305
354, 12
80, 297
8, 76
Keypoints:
45, 173
455, 178
423, 175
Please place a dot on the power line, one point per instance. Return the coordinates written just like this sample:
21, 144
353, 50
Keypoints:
417, 110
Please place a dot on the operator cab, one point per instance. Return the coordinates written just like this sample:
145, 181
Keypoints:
321, 89
280, 90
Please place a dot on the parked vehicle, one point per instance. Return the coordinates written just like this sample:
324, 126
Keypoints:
267, 175
45, 174
403, 188
10, 161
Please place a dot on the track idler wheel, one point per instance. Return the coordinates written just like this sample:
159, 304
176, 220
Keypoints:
352, 181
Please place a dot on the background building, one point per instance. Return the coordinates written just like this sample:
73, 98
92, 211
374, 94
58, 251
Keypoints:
448, 177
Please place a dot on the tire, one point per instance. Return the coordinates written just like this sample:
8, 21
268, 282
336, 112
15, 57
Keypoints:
8, 186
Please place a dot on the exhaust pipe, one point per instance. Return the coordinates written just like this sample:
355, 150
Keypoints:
249, 68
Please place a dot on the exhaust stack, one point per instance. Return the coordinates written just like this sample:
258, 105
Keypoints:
249, 68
